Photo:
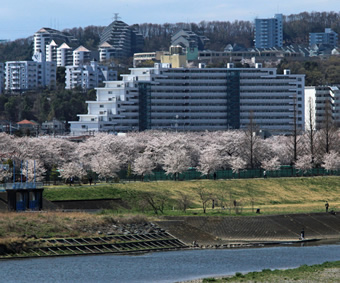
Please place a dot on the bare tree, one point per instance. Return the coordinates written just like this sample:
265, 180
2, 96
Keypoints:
184, 201
311, 128
328, 128
153, 200
205, 197
296, 130
251, 141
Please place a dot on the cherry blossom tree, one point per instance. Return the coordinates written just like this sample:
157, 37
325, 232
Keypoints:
304, 163
331, 161
72, 170
143, 165
280, 146
33, 170
176, 162
237, 164
105, 165
271, 164
210, 161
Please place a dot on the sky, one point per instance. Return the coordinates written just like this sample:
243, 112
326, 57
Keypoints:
22, 18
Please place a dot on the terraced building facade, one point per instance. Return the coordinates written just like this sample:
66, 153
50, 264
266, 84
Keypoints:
197, 99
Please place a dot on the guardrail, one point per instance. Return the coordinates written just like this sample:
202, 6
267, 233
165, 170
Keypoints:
17, 186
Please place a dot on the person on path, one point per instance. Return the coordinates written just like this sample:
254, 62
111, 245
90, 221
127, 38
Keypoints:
327, 206
302, 234
90, 180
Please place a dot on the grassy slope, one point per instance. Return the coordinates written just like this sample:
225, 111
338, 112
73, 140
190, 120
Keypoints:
271, 195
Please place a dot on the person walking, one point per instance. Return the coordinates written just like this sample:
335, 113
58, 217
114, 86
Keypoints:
302, 234
327, 206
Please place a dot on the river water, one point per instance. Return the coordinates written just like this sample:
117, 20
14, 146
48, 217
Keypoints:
163, 266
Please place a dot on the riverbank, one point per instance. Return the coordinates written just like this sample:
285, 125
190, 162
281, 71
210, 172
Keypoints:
24, 233
326, 272
243, 231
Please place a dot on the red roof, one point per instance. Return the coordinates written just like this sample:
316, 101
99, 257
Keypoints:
26, 122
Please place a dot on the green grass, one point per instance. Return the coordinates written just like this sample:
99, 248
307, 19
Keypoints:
272, 195
326, 272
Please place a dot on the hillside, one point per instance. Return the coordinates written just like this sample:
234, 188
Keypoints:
296, 29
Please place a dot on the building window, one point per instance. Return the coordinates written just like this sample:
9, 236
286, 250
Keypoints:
101, 106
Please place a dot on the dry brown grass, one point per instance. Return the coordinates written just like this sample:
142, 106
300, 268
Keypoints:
56, 224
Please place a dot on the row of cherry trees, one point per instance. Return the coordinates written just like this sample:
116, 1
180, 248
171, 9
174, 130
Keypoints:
141, 153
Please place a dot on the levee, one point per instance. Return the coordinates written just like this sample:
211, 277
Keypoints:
255, 229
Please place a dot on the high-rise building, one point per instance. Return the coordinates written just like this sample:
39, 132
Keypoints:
197, 99
81, 56
29, 75
88, 76
51, 51
43, 37
325, 106
329, 37
269, 32
64, 55
123, 39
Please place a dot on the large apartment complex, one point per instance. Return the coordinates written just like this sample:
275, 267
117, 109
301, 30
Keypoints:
197, 99
119, 40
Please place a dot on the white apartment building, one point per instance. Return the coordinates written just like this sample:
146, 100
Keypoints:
64, 55
28, 75
2, 77
197, 99
326, 104
88, 76
44, 36
106, 52
81, 56
51, 51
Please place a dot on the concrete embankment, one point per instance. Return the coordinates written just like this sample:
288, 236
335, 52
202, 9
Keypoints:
253, 229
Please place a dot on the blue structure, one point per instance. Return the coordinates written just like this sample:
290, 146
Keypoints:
269, 32
22, 196
22, 199
329, 37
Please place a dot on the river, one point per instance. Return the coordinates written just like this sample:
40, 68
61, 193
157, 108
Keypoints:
163, 266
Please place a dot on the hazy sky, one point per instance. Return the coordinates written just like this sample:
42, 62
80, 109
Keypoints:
22, 18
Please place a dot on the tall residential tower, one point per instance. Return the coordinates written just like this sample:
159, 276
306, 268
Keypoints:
269, 32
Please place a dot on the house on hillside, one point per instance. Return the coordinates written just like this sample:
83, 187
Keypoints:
28, 127
54, 127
